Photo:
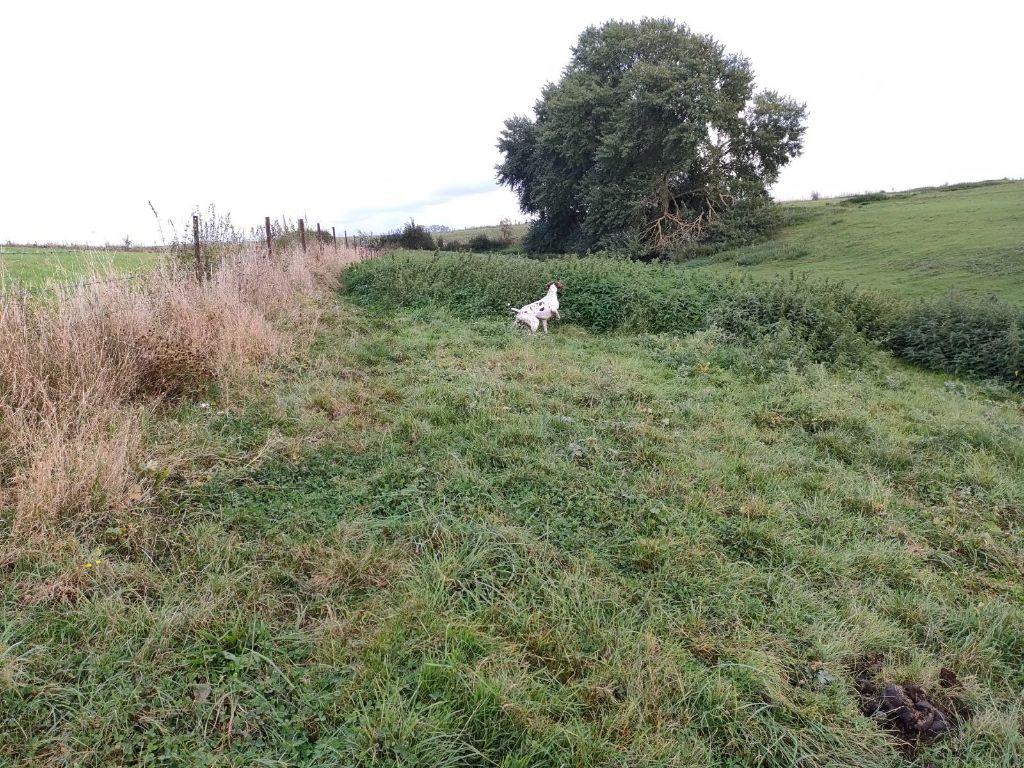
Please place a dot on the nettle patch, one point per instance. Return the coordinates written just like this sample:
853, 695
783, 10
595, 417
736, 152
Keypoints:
784, 319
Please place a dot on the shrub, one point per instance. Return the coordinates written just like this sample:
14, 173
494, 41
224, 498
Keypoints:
507, 235
414, 236
480, 243
748, 221
830, 320
867, 197
797, 320
483, 244
631, 245
547, 235
605, 294
966, 336
80, 367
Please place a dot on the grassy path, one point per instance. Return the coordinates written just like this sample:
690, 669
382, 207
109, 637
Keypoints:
438, 543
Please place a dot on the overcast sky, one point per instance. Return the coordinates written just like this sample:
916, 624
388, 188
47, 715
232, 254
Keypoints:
359, 115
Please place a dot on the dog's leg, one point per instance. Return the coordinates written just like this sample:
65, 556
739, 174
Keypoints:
545, 322
556, 313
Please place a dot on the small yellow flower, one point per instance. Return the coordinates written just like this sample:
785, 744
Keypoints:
88, 565
98, 562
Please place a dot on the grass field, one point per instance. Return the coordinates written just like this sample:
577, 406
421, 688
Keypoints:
33, 267
422, 539
431, 541
493, 232
965, 238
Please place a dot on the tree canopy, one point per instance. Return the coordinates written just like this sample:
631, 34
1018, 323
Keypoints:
652, 134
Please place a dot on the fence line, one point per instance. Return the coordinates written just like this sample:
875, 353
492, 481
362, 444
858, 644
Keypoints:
27, 291
365, 247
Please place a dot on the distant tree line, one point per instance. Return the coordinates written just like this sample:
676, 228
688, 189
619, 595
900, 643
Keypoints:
417, 237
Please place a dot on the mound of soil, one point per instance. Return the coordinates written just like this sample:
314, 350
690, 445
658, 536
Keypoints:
903, 708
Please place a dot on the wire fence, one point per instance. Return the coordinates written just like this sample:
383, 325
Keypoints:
364, 246
44, 290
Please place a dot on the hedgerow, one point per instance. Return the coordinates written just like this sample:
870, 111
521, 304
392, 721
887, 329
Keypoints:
827, 322
981, 338
608, 295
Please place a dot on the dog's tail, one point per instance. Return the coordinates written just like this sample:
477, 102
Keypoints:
514, 310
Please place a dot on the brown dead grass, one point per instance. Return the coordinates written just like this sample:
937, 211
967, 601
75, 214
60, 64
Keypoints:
79, 369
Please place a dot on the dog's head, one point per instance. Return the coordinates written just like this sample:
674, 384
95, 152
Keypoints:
557, 285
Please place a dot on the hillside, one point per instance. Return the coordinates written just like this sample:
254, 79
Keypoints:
493, 232
967, 238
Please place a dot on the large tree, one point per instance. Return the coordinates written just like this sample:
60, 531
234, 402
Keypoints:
652, 133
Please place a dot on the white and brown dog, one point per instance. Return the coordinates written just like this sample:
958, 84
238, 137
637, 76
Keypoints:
539, 312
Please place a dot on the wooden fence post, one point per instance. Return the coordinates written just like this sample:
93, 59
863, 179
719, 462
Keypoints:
346, 238
195, 242
319, 240
302, 234
270, 242
334, 239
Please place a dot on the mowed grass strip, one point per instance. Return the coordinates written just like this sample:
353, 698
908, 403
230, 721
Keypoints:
436, 542
967, 238
31, 267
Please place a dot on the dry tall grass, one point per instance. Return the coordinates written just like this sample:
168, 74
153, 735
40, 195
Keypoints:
79, 369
